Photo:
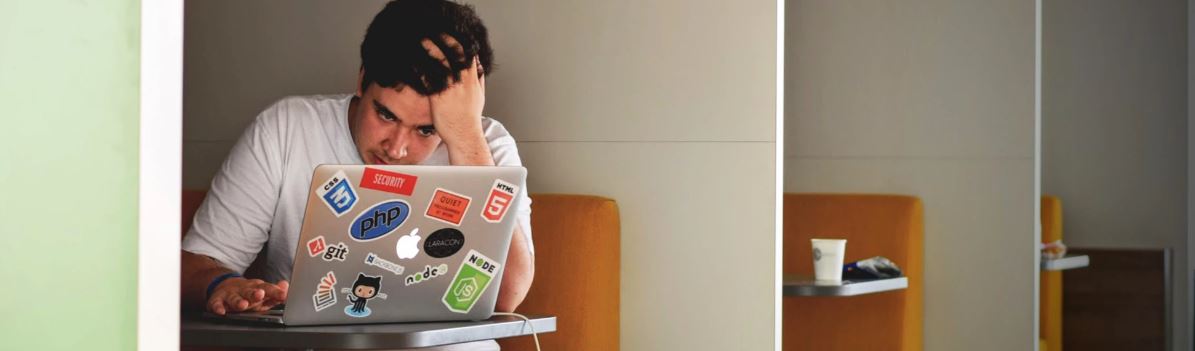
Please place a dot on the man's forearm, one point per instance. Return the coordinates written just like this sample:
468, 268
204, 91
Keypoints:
469, 150
518, 274
197, 272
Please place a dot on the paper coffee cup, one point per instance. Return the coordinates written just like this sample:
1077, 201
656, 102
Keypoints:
827, 259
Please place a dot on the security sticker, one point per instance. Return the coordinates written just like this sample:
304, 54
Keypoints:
408, 245
444, 242
427, 273
373, 260
501, 195
472, 278
364, 289
379, 220
338, 194
316, 246
338, 252
325, 292
391, 182
448, 207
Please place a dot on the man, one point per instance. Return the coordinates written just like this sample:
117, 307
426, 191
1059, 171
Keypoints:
418, 101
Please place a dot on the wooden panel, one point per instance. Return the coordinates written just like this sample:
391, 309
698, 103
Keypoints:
1116, 303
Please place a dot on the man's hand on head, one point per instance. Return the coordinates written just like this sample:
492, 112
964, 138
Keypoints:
246, 295
456, 111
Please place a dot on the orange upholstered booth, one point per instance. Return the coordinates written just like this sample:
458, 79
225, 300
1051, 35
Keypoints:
1051, 281
874, 225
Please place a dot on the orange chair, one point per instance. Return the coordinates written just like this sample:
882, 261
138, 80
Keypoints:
1050, 305
874, 225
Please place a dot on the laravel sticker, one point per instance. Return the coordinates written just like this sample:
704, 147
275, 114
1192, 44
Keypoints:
392, 182
501, 195
448, 207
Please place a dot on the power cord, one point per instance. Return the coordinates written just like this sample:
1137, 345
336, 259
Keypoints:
525, 319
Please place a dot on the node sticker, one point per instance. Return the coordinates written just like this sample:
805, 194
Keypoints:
338, 194
448, 207
472, 278
501, 195
325, 292
379, 220
428, 273
373, 260
444, 242
391, 182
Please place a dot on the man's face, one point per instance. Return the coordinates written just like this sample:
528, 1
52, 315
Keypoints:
393, 126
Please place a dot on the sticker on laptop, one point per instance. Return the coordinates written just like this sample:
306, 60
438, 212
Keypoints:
316, 246
408, 245
364, 289
391, 182
325, 292
373, 260
338, 194
337, 252
428, 273
448, 207
502, 194
444, 242
379, 220
471, 280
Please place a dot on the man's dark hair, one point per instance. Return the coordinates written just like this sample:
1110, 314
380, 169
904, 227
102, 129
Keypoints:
393, 55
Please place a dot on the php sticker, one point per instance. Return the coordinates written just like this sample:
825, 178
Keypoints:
444, 242
391, 182
472, 278
501, 195
448, 207
428, 273
336, 253
325, 292
379, 220
316, 246
373, 260
408, 245
364, 289
338, 194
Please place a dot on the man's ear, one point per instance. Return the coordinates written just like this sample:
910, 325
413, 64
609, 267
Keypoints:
360, 78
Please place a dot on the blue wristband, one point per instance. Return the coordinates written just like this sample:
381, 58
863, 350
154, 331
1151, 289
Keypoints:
218, 280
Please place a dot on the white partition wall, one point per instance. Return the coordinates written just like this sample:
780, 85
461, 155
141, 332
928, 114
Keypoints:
934, 99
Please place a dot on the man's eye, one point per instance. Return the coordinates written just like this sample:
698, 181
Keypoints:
427, 131
386, 117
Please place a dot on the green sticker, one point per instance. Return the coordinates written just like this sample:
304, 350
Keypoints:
472, 278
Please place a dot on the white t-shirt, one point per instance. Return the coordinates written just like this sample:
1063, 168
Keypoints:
258, 196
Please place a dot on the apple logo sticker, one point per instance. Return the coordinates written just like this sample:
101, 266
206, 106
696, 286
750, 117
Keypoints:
444, 242
408, 245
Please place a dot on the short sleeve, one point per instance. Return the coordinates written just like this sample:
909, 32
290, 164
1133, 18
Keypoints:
506, 153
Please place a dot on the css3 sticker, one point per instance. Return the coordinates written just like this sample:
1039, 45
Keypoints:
501, 195
338, 194
364, 289
379, 220
472, 278
325, 292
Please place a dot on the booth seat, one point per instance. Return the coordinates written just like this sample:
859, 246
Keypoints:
874, 225
1050, 305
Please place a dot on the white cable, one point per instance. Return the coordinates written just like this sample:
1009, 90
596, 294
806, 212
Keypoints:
525, 319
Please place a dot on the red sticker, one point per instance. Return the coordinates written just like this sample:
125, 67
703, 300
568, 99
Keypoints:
392, 182
448, 207
501, 195
316, 246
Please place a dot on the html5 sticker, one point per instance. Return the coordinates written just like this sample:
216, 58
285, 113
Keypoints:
501, 196
391, 182
448, 207
337, 193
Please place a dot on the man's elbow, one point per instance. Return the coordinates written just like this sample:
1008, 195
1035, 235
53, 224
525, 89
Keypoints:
514, 289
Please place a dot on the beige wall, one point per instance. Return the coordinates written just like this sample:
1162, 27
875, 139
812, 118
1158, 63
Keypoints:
667, 107
933, 99
1114, 127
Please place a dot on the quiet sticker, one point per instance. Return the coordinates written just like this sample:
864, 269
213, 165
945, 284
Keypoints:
325, 292
338, 194
373, 260
448, 207
501, 195
472, 278
391, 182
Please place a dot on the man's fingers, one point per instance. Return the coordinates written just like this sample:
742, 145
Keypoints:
235, 302
216, 305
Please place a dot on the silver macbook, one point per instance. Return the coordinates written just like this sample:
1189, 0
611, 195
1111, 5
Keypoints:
384, 244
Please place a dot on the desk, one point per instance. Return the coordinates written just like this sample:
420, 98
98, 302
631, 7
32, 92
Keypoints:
804, 286
1065, 263
198, 331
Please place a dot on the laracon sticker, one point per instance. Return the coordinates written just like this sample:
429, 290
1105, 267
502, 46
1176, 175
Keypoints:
338, 194
408, 245
325, 292
472, 278
373, 260
316, 246
391, 182
379, 220
428, 273
448, 207
338, 252
501, 195
444, 242
364, 289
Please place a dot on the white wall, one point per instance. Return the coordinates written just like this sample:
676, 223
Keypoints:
667, 107
1114, 128
933, 99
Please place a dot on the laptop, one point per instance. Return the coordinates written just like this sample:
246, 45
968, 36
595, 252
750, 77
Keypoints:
382, 244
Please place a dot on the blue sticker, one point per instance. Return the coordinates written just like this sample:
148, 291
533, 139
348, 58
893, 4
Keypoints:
379, 220
338, 194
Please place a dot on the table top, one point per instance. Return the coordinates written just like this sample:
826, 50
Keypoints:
806, 286
200, 331
1065, 263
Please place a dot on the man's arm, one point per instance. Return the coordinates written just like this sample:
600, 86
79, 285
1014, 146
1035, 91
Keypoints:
518, 274
232, 295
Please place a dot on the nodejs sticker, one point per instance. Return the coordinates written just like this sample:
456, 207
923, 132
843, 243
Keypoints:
472, 278
408, 245
338, 194
448, 207
391, 182
444, 242
364, 289
501, 195
379, 220
428, 272
325, 292
373, 260
316, 246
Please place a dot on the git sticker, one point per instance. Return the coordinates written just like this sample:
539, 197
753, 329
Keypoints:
316, 246
338, 194
501, 195
325, 292
392, 182
448, 207
472, 278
